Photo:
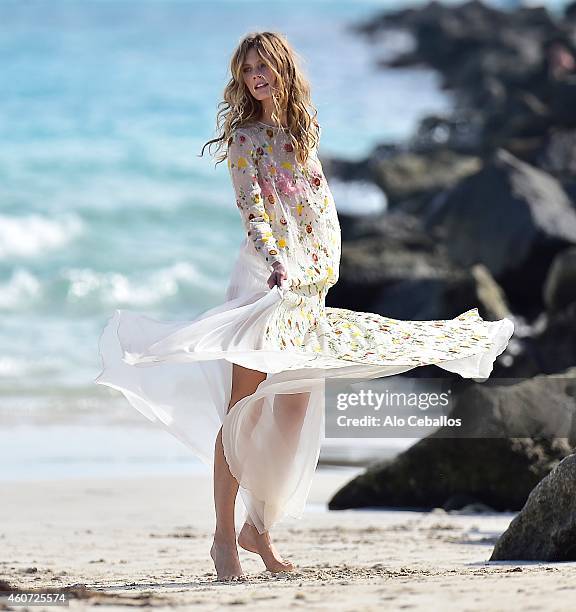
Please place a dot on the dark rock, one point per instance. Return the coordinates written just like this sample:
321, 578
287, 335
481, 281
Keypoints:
396, 226
391, 266
404, 174
570, 11
552, 348
409, 175
558, 154
560, 285
511, 217
461, 131
512, 71
519, 124
345, 170
472, 34
563, 101
514, 435
545, 528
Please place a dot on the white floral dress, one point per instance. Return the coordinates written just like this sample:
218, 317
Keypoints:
179, 373
290, 216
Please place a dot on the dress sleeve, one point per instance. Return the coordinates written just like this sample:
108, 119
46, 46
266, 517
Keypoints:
244, 172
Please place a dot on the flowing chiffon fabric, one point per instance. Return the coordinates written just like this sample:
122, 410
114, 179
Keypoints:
272, 438
179, 373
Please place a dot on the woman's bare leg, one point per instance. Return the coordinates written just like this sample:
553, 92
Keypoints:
224, 551
289, 412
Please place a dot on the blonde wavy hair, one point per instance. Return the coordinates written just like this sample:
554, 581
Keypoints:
291, 93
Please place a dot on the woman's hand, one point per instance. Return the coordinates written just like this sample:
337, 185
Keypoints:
278, 275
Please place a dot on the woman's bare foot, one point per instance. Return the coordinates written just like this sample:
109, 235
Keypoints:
226, 561
251, 540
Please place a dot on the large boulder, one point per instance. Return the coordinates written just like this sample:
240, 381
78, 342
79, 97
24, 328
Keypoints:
545, 528
511, 217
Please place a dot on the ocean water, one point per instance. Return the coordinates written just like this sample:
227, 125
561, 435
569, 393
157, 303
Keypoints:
104, 200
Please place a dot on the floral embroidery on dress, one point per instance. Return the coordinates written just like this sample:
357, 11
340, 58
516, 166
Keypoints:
242, 164
290, 214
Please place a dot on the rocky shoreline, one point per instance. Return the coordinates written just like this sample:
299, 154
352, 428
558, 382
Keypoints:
481, 212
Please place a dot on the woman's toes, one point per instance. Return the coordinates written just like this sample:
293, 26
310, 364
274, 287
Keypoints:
280, 566
233, 578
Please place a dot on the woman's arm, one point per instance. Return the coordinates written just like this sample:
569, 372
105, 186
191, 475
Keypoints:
244, 173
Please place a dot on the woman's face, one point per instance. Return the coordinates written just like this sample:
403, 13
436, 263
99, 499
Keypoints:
257, 75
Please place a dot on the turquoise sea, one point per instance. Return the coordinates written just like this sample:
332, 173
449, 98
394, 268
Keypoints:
105, 203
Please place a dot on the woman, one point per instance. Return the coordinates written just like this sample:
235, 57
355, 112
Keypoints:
266, 351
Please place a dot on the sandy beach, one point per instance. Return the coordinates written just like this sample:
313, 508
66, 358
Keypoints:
145, 541
448, 140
